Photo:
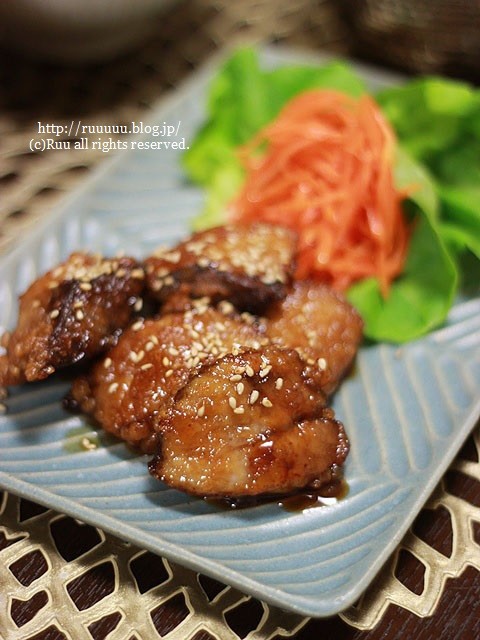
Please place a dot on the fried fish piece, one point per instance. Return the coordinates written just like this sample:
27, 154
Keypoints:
250, 265
71, 313
321, 325
251, 424
131, 390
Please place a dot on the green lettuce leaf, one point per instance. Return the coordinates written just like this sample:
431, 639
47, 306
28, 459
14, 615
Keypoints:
438, 122
428, 113
462, 224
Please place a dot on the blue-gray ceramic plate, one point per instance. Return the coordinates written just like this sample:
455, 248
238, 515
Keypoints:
407, 412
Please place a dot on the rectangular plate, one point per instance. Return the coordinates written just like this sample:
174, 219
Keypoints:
407, 410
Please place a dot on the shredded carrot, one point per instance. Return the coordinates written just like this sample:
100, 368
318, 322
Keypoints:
324, 168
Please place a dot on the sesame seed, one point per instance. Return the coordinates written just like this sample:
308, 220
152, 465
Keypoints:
80, 315
136, 356
55, 313
201, 411
249, 371
107, 362
121, 273
137, 325
85, 286
77, 304
149, 346
157, 285
232, 402
154, 339
240, 388
166, 361
168, 373
173, 256
138, 274
172, 351
226, 307
113, 387
254, 396
138, 304
239, 410
240, 370
266, 402
269, 278
201, 303
278, 383
88, 444
265, 371
169, 281
322, 364
147, 365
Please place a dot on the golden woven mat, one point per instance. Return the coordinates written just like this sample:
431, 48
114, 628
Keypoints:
438, 564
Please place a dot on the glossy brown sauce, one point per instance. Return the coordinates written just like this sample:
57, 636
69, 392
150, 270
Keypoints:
308, 498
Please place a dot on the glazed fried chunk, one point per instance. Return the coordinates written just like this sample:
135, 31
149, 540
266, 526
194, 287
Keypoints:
73, 312
130, 391
249, 265
321, 325
250, 424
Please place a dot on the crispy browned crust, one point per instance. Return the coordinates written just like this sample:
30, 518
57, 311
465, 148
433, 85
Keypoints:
321, 325
132, 389
249, 265
249, 424
71, 313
